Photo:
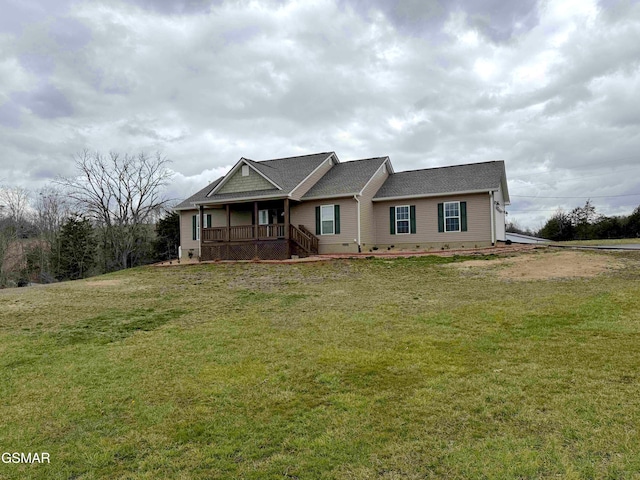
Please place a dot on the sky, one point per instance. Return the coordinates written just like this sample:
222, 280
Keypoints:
550, 87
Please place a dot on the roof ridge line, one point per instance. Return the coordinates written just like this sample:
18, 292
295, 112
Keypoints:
292, 156
449, 166
364, 159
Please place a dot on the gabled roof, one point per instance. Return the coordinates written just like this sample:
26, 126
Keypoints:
235, 168
347, 178
473, 177
290, 171
350, 178
286, 173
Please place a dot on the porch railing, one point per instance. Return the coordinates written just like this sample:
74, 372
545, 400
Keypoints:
313, 240
243, 232
304, 238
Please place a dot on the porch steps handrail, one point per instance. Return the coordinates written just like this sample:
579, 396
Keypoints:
305, 239
314, 239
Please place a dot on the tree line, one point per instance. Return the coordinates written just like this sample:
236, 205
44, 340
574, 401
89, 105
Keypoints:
585, 223
109, 215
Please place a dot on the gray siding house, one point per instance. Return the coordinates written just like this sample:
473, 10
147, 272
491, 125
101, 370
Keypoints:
304, 205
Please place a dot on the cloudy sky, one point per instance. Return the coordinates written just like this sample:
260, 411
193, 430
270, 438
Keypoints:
552, 87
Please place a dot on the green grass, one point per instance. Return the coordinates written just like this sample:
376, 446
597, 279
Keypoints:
616, 241
376, 368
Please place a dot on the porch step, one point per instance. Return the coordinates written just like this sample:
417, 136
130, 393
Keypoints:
304, 239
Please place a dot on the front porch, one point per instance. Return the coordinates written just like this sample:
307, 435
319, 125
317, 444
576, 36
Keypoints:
242, 233
269, 236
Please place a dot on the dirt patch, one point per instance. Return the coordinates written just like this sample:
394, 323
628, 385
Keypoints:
103, 283
543, 266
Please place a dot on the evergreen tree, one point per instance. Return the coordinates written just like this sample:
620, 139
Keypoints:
632, 224
167, 236
76, 248
559, 227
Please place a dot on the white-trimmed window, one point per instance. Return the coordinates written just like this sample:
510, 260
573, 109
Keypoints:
452, 216
245, 170
327, 219
402, 219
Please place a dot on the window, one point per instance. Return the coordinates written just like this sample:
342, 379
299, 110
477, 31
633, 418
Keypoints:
452, 216
402, 219
245, 170
195, 227
327, 219
263, 217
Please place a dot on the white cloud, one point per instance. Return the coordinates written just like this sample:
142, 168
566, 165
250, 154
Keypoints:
548, 88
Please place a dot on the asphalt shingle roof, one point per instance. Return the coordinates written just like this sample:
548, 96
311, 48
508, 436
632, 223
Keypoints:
350, 177
347, 178
287, 173
433, 181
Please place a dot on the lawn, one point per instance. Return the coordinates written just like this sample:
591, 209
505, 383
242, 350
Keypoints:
370, 368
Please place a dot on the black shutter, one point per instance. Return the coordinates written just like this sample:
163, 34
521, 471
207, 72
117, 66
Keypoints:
412, 217
317, 220
336, 217
463, 216
441, 217
208, 220
392, 220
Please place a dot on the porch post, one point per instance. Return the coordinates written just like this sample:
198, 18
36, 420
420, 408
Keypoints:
228, 222
286, 219
201, 213
255, 220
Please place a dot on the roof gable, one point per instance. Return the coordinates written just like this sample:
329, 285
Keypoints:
347, 178
235, 181
282, 176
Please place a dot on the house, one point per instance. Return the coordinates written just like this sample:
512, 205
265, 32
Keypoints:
304, 205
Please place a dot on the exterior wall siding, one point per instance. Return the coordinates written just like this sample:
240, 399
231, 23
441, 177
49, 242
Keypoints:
186, 241
427, 235
238, 183
306, 185
344, 242
367, 221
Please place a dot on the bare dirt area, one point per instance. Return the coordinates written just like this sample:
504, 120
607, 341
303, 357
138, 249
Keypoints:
544, 265
102, 283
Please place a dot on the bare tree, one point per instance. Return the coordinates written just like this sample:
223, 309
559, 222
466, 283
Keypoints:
121, 193
14, 210
14, 203
7, 238
51, 209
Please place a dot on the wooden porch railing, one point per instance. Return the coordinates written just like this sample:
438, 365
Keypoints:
242, 233
307, 241
274, 230
312, 237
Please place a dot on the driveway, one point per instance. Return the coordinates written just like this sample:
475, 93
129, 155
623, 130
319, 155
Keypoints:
622, 246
